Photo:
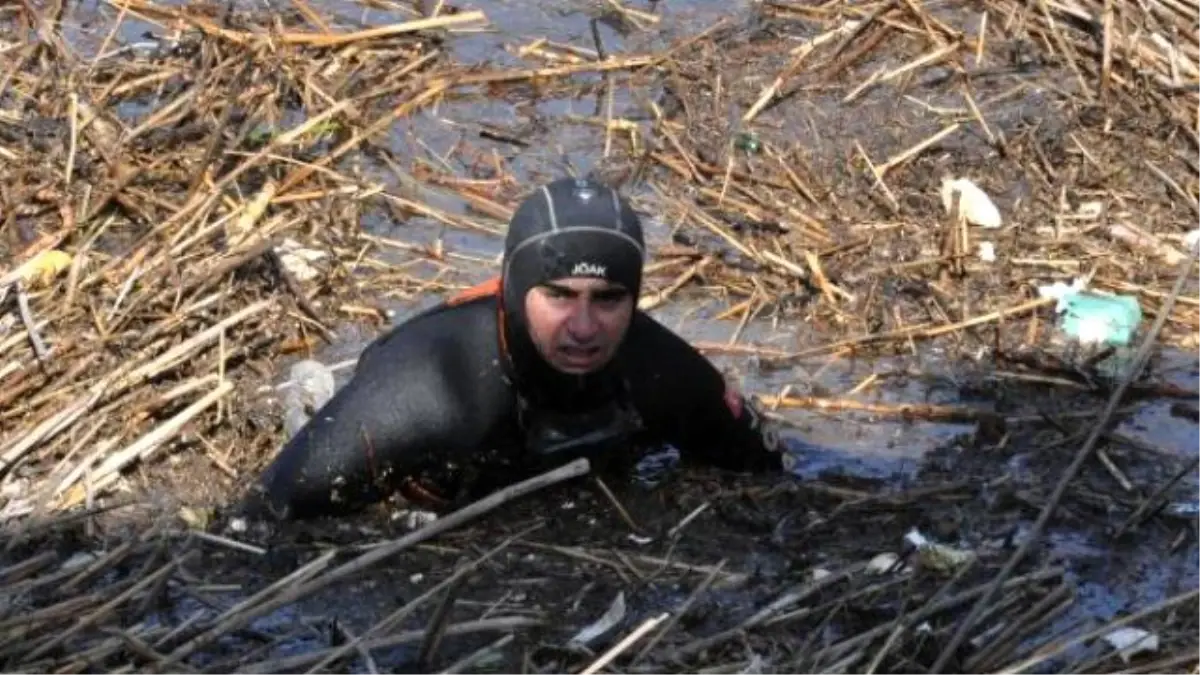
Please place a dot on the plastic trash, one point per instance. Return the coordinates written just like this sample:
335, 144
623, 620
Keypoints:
987, 251
1109, 319
1094, 318
310, 385
1130, 641
973, 203
1093, 321
1192, 241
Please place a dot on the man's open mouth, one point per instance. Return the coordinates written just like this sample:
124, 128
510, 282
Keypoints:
579, 353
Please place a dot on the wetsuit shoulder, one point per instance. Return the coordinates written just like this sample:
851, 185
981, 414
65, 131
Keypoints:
429, 391
685, 401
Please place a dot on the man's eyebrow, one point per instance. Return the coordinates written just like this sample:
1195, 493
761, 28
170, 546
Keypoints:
560, 288
611, 292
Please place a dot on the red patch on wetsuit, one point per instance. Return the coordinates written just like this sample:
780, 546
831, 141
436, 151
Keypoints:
733, 399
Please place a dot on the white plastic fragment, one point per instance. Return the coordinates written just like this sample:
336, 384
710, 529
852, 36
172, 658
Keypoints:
1191, 239
1090, 210
415, 519
819, 574
973, 203
78, 561
915, 539
298, 260
1061, 292
309, 387
607, 621
640, 540
882, 563
1129, 641
987, 251
755, 666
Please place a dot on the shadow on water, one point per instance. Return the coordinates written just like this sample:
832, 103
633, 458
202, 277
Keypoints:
844, 450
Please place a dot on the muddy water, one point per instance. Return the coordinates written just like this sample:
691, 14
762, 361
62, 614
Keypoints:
1110, 581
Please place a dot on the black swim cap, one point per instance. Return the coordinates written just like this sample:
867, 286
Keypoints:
569, 227
572, 227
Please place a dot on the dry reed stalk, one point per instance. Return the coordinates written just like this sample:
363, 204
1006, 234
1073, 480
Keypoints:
913, 411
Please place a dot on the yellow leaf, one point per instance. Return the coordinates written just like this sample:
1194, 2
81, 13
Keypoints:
42, 268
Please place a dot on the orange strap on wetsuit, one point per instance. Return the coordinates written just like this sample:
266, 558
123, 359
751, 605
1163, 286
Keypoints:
493, 287
486, 289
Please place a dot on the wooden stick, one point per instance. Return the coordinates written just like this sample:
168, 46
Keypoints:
616, 650
85, 621
917, 149
923, 411
1054, 650
476, 656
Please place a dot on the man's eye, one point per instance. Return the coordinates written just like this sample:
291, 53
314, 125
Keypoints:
611, 297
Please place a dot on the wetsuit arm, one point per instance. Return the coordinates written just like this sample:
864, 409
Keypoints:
693, 406
352, 450
421, 400
729, 430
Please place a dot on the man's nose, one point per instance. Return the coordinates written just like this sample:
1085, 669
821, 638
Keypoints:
582, 324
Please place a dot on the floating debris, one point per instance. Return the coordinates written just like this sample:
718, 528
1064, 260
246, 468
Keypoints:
600, 627
973, 203
44, 267
299, 260
1130, 641
939, 557
987, 251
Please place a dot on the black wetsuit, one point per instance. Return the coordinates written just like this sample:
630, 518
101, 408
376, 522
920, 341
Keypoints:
457, 397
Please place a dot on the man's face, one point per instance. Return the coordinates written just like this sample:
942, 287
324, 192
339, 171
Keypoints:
577, 323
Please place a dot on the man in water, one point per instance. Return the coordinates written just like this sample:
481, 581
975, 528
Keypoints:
550, 362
